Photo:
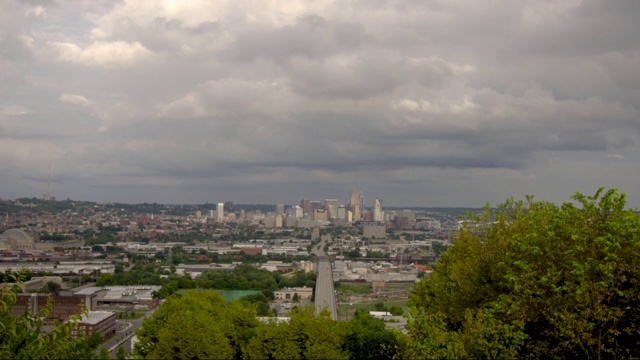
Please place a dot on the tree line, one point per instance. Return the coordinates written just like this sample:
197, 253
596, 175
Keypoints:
242, 277
530, 279
200, 325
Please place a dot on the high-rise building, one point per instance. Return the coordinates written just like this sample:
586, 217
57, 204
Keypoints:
305, 204
354, 205
279, 209
270, 221
295, 211
220, 212
320, 215
331, 205
377, 210
315, 205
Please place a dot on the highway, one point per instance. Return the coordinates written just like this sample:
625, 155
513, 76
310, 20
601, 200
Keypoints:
325, 296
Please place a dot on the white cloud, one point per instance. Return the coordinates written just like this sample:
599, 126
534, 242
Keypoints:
36, 11
104, 54
13, 110
77, 100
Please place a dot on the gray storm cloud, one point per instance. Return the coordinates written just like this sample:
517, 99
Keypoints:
421, 103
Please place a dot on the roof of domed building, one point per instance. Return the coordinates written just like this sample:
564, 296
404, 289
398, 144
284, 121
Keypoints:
19, 236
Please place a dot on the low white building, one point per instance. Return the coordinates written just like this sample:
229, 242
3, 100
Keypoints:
304, 293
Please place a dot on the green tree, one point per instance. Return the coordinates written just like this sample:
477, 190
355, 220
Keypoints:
396, 311
51, 288
197, 325
306, 336
104, 354
261, 302
536, 280
23, 337
94, 340
479, 336
438, 247
353, 254
120, 354
369, 338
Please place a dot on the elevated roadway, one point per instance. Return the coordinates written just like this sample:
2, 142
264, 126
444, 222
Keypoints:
325, 294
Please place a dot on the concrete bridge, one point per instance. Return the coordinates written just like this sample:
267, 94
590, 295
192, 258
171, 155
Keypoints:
325, 294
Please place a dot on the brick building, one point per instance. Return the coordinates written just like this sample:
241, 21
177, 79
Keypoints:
103, 322
63, 306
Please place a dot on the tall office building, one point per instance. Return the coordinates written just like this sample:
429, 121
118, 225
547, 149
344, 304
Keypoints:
279, 209
305, 204
331, 205
220, 212
342, 212
377, 210
295, 211
354, 205
315, 205
320, 215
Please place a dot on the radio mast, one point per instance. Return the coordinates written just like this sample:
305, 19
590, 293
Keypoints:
49, 182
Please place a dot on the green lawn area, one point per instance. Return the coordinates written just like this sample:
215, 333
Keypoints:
184, 291
353, 289
130, 314
370, 306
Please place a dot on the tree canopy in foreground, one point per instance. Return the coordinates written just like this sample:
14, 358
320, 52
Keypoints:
200, 324
535, 280
23, 337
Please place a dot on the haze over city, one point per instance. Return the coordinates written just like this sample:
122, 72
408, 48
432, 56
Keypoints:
419, 103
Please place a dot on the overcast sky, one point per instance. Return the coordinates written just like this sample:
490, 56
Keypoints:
417, 102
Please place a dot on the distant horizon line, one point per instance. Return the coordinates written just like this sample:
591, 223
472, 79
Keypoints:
214, 203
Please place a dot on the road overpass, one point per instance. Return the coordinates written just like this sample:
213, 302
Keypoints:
325, 295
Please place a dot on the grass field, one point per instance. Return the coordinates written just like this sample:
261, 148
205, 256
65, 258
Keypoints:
353, 289
343, 309
184, 291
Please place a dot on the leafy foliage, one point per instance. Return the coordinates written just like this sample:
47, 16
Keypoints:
306, 336
23, 337
104, 354
243, 277
438, 247
369, 339
197, 325
536, 280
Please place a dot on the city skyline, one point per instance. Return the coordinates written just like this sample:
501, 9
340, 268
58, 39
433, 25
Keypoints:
433, 104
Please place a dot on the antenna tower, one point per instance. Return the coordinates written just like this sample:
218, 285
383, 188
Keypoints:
49, 182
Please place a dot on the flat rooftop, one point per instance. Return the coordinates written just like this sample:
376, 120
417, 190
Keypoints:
95, 317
